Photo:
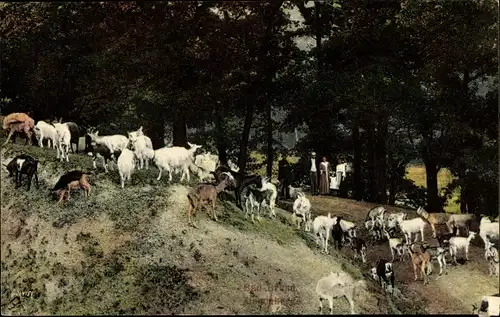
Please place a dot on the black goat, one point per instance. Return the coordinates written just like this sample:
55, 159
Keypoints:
100, 151
76, 132
23, 165
240, 181
337, 233
359, 247
384, 273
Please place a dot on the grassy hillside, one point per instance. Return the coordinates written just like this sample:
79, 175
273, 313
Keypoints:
414, 172
130, 251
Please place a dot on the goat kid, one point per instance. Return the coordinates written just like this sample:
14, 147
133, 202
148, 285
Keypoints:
337, 285
491, 256
396, 244
420, 260
302, 208
383, 272
359, 246
437, 253
139, 144
205, 194
72, 180
322, 226
116, 142
268, 186
63, 141
45, 131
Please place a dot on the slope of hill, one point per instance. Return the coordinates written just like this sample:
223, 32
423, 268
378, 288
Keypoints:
130, 251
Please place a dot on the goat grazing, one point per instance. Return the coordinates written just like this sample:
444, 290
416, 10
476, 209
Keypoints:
491, 256
490, 305
126, 166
414, 225
434, 219
459, 243
396, 244
71, 180
204, 194
488, 228
207, 164
337, 285
173, 158
420, 259
116, 142
302, 207
43, 131
323, 225
18, 122
375, 213
63, 141
383, 272
23, 165
460, 221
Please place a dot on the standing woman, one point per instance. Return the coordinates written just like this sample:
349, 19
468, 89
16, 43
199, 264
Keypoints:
324, 177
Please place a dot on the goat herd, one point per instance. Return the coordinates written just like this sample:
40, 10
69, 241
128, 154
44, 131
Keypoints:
254, 194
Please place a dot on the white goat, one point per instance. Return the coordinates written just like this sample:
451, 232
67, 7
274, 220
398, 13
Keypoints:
63, 141
126, 165
266, 185
490, 305
175, 158
116, 142
488, 228
323, 225
140, 143
459, 243
349, 228
302, 208
396, 244
294, 191
491, 255
206, 164
44, 130
337, 285
408, 227
375, 213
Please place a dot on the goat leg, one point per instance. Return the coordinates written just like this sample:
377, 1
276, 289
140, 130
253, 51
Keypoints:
213, 209
11, 132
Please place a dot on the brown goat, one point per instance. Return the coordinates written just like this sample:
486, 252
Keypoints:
81, 183
19, 122
205, 194
434, 219
420, 258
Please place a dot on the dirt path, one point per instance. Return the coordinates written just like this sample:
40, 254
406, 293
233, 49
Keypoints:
242, 265
453, 293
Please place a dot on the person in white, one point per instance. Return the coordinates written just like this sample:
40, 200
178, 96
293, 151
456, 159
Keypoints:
313, 174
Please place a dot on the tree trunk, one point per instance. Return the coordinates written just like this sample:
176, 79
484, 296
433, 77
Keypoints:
242, 162
358, 185
270, 154
381, 157
221, 137
431, 172
179, 129
157, 133
317, 31
370, 162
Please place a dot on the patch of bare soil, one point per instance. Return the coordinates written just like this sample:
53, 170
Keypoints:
452, 293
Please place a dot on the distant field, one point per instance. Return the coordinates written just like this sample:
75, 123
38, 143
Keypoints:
416, 173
